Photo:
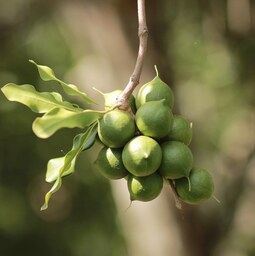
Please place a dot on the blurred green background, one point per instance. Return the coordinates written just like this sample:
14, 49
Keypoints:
205, 50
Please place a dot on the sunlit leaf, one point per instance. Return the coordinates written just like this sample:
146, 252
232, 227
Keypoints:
68, 163
58, 118
39, 102
56, 186
55, 164
47, 74
53, 167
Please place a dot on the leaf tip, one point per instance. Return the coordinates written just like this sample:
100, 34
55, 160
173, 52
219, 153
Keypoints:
44, 207
3, 88
95, 89
31, 61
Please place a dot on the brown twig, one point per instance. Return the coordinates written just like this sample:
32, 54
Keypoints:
177, 200
123, 101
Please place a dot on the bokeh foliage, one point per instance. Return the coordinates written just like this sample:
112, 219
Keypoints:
82, 219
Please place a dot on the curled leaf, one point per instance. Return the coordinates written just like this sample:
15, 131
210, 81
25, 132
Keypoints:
54, 166
47, 74
91, 139
39, 102
59, 118
66, 165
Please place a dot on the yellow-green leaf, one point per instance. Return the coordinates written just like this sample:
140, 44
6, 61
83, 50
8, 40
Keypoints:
47, 74
53, 167
55, 164
68, 163
39, 102
59, 118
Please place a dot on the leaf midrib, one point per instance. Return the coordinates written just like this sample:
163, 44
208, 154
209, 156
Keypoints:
62, 120
55, 104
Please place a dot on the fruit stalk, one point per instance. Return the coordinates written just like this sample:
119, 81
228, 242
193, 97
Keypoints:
123, 101
177, 200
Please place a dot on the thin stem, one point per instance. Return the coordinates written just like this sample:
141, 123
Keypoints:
177, 200
123, 101
156, 70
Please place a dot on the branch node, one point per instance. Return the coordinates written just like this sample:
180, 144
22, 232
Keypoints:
142, 31
134, 79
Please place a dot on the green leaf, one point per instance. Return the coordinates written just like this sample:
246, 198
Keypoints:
55, 164
47, 74
91, 139
68, 163
58, 118
39, 102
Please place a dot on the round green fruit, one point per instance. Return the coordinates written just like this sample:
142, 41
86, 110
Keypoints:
109, 163
154, 119
116, 128
181, 130
144, 188
154, 90
177, 160
142, 156
111, 99
202, 186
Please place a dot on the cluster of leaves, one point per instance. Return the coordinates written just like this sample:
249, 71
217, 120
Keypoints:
57, 114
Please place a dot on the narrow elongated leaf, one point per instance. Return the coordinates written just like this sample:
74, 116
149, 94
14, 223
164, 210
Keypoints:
58, 118
55, 164
91, 139
39, 102
47, 74
68, 163
53, 167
